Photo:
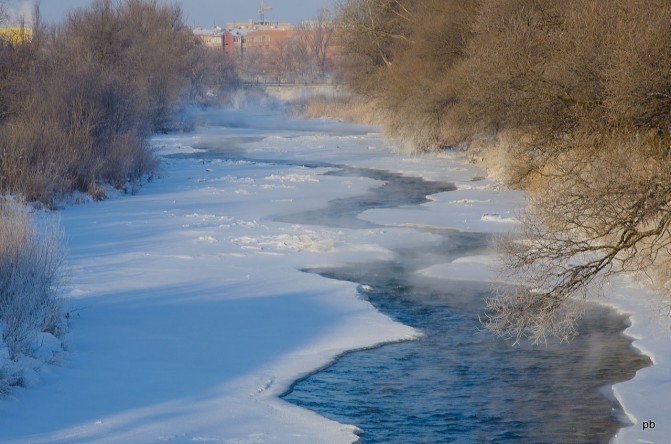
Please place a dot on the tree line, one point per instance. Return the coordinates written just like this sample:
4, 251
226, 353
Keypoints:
79, 99
567, 99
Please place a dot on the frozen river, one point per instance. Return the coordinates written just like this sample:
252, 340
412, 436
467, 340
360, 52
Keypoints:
456, 383
264, 252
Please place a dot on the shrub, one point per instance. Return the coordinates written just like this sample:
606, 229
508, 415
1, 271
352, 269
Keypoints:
30, 272
79, 100
339, 105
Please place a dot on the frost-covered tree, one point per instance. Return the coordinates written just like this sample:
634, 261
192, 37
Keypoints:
570, 97
30, 272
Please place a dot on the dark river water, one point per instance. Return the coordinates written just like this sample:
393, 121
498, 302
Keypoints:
456, 384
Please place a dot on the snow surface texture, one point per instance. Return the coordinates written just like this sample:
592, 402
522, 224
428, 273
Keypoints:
480, 268
45, 350
191, 314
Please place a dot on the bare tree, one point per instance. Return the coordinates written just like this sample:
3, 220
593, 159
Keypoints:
316, 37
78, 101
592, 220
580, 87
371, 32
592, 107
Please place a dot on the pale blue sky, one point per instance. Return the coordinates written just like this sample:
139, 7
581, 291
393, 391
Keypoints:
204, 12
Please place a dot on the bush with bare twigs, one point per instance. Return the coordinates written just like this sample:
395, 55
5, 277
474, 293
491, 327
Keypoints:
30, 271
79, 100
571, 96
338, 106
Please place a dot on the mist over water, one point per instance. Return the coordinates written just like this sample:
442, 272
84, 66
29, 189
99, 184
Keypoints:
459, 383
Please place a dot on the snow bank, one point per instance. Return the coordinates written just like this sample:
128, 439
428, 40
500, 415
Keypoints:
645, 397
479, 268
191, 314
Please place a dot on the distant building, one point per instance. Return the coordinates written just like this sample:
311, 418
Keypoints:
258, 34
238, 37
212, 38
256, 25
229, 43
267, 38
15, 35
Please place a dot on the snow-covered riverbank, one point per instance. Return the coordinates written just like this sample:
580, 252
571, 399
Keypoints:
190, 313
644, 398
